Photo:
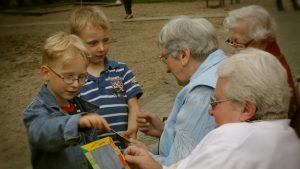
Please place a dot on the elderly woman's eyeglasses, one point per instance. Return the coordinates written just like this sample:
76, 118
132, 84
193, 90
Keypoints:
164, 57
239, 45
214, 102
70, 79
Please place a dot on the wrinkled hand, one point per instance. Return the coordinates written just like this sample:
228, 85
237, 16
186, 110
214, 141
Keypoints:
150, 124
93, 120
134, 142
140, 158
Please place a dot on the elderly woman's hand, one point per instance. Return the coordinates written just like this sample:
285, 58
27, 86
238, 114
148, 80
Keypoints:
140, 158
136, 143
150, 124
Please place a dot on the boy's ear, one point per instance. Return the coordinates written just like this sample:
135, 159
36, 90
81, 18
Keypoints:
249, 111
44, 73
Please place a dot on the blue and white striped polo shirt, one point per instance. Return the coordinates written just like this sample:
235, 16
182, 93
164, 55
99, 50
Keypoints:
111, 92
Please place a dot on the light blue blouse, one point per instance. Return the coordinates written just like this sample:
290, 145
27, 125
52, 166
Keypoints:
189, 120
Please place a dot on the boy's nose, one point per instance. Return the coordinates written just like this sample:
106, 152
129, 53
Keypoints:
76, 83
100, 46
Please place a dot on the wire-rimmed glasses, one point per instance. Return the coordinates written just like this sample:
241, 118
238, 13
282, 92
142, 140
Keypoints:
70, 79
239, 45
214, 102
164, 57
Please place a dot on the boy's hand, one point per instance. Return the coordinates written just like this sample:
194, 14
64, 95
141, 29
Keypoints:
93, 120
130, 134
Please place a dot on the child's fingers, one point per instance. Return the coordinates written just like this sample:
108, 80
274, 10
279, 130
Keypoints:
100, 123
84, 122
94, 121
105, 124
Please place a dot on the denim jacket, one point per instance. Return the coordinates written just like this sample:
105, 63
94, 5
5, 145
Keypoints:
54, 136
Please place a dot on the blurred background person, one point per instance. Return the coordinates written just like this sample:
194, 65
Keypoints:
280, 7
127, 7
118, 2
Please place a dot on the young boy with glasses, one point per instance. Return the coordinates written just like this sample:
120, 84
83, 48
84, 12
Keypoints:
57, 121
110, 84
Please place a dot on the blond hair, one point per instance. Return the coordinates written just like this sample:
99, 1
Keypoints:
64, 46
86, 17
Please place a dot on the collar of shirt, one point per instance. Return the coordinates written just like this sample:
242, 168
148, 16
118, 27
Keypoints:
109, 65
211, 60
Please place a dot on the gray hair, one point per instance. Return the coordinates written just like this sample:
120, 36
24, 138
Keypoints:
198, 35
257, 76
258, 21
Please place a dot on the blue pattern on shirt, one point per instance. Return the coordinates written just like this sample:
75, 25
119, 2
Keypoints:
112, 102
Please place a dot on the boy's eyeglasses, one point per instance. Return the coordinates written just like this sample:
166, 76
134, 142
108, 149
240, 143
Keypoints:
239, 45
70, 79
214, 102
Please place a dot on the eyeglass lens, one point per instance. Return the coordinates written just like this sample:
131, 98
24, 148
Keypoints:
70, 79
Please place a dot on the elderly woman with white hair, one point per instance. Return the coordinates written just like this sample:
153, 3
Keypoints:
253, 26
250, 106
190, 51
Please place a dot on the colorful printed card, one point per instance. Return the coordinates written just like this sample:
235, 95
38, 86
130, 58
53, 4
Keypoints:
104, 154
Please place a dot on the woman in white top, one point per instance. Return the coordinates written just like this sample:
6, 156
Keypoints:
250, 108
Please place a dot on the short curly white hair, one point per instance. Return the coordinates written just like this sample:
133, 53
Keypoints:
257, 76
196, 34
259, 23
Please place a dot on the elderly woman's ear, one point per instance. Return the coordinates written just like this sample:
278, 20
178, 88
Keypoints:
185, 56
249, 111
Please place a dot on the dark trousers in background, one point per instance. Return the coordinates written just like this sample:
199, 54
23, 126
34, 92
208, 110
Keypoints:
279, 5
127, 6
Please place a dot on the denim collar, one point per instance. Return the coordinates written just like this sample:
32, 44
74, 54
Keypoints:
47, 98
211, 60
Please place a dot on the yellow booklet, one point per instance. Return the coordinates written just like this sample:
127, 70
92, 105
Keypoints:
104, 154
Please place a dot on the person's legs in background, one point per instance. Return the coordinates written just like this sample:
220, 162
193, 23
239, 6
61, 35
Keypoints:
295, 5
127, 6
118, 2
279, 5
